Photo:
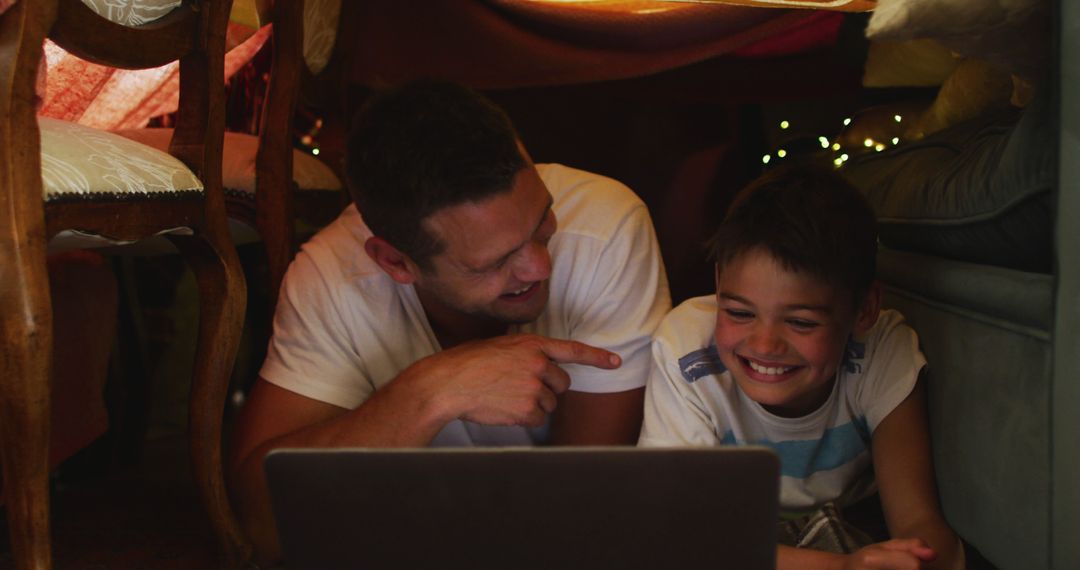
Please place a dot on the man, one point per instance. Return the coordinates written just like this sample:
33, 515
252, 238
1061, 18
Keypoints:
479, 296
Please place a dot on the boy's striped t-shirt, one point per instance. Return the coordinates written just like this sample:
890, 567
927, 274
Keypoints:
826, 455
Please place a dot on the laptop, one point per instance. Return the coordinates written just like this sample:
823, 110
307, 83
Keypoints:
509, 508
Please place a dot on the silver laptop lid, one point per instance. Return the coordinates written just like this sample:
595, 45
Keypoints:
557, 507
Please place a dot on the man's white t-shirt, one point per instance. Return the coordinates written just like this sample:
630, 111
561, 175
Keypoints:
343, 328
692, 400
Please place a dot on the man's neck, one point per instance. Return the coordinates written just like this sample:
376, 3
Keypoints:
453, 327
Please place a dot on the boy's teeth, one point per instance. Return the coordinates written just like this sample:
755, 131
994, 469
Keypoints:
772, 371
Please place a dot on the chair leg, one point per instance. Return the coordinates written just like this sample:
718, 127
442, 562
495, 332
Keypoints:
222, 301
25, 375
278, 246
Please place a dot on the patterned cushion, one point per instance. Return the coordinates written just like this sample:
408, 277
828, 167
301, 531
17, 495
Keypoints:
81, 163
320, 31
238, 163
132, 12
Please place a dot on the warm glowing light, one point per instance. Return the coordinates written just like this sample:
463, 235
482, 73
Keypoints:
844, 157
868, 143
879, 147
781, 153
315, 151
824, 142
784, 124
838, 162
897, 118
896, 140
765, 159
847, 121
836, 146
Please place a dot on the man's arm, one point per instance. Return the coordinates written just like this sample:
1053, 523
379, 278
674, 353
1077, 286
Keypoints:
621, 312
511, 380
584, 418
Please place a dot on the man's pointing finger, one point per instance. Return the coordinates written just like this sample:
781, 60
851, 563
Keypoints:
571, 351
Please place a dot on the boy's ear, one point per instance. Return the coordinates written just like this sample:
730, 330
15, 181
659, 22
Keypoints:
868, 311
395, 263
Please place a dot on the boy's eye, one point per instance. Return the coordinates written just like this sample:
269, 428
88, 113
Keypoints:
739, 314
802, 324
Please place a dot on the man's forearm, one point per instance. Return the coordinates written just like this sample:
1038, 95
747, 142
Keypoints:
598, 419
390, 418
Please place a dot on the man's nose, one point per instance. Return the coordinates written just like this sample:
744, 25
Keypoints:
534, 263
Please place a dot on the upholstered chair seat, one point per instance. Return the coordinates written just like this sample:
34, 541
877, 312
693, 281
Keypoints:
313, 180
82, 164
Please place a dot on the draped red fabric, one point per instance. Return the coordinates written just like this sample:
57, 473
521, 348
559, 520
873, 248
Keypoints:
504, 43
109, 98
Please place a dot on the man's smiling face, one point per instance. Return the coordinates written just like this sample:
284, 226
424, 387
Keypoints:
495, 264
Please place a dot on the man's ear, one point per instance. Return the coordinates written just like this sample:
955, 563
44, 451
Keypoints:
868, 311
395, 263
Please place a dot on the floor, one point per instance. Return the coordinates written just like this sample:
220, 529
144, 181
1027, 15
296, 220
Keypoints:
145, 515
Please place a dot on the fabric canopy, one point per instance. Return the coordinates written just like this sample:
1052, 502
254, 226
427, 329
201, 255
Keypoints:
515, 43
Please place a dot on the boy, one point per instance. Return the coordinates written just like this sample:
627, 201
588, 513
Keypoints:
794, 353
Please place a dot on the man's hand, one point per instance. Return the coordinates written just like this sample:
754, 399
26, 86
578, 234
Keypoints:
898, 554
507, 380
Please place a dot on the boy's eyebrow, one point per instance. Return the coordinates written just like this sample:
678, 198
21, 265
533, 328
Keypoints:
826, 309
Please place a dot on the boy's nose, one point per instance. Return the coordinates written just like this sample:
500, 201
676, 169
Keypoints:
765, 340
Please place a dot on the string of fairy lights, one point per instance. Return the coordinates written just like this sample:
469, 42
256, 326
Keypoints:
841, 154
308, 140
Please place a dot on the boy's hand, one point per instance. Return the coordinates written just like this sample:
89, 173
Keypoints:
899, 553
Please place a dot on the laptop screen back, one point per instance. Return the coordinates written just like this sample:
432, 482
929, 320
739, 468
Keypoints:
565, 507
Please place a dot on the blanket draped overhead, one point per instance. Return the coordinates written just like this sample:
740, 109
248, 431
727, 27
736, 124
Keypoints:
524, 43
484, 43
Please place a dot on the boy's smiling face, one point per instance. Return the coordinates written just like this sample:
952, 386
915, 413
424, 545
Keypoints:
782, 333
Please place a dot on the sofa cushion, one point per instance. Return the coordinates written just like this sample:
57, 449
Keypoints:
981, 191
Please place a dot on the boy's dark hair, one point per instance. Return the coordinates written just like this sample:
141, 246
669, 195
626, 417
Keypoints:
421, 147
810, 219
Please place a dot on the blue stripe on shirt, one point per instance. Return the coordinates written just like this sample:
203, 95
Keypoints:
701, 363
802, 458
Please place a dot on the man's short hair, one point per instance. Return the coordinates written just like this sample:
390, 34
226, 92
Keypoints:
421, 147
810, 219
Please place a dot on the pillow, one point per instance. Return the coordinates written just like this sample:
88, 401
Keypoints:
1011, 33
981, 191
911, 63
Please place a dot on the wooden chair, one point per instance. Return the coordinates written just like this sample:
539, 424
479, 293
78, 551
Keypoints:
143, 194
266, 180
